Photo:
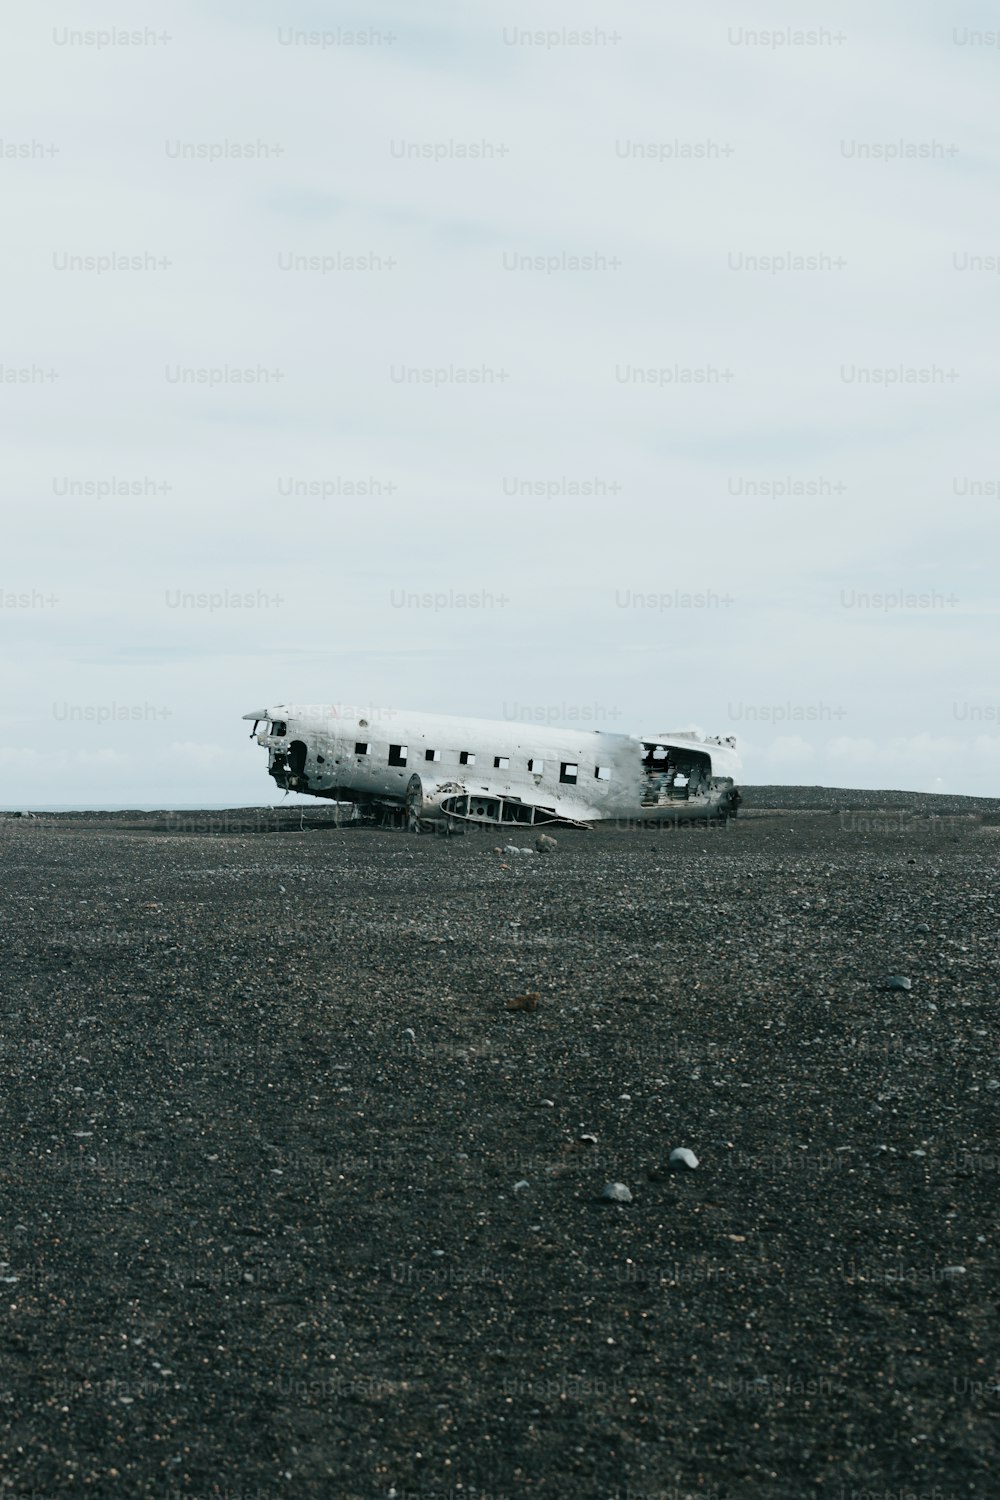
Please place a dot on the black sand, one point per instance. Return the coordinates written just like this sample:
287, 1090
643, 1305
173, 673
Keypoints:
258, 1241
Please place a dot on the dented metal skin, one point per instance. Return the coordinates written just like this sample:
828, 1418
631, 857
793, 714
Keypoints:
435, 771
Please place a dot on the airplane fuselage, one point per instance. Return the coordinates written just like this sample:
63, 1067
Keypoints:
438, 769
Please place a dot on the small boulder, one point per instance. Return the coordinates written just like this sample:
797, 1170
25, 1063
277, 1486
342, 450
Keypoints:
616, 1192
683, 1159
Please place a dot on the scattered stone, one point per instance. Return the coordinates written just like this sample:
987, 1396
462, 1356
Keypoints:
922, 928
682, 1157
410, 1034
616, 1192
953, 1272
548, 1104
524, 1002
587, 1140
899, 982
520, 1186
545, 845
513, 849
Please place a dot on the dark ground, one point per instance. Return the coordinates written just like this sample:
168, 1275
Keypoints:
257, 1241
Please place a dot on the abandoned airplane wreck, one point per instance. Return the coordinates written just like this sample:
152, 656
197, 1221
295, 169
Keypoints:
435, 771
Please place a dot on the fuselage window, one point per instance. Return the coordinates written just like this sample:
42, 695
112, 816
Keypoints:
602, 773
362, 748
536, 767
432, 755
397, 755
568, 772
501, 762
279, 727
466, 758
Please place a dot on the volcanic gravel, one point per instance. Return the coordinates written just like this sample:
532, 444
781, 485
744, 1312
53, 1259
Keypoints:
291, 1203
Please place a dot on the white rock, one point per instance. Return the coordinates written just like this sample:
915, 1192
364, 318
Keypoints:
616, 1192
682, 1157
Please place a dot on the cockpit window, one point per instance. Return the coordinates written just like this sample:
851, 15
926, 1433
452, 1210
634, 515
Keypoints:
279, 727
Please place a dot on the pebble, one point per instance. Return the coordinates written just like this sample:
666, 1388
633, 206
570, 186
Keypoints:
682, 1157
616, 1192
922, 928
544, 844
520, 1186
953, 1271
899, 982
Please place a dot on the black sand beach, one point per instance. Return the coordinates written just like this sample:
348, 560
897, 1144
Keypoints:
292, 1204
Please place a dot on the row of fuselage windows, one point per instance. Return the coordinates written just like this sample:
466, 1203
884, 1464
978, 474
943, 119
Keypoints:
569, 771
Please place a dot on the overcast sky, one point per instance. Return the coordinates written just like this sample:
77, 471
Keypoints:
516, 269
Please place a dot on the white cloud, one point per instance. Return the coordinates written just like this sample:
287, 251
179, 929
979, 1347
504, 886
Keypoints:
692, 483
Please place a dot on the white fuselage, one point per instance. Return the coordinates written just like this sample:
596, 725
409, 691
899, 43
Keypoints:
445, 769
